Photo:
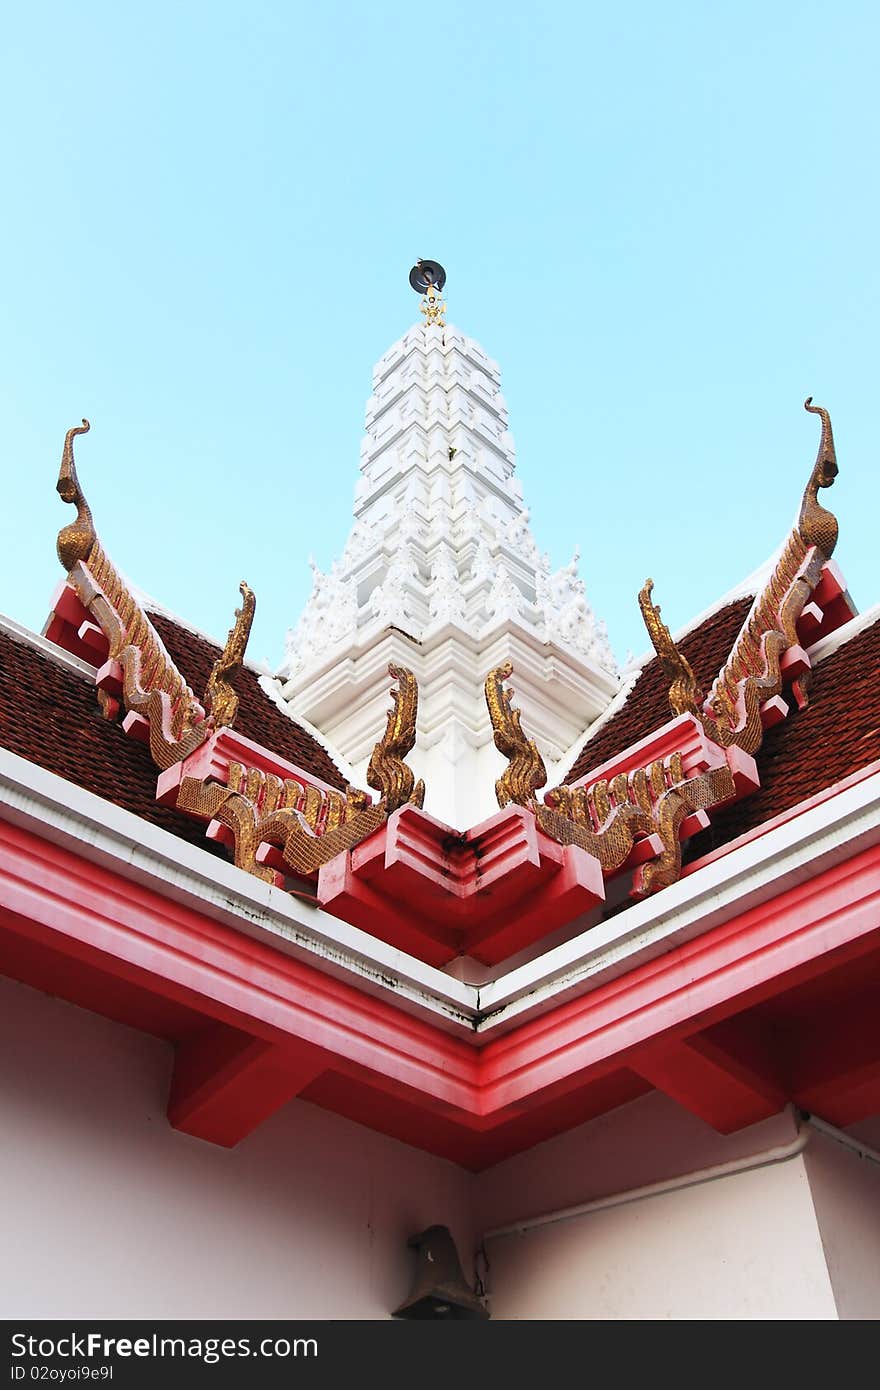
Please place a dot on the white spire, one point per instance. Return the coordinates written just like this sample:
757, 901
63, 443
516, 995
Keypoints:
441, 573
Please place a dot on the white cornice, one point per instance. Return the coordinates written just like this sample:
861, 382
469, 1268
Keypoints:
827, 646
50, 650
789, 854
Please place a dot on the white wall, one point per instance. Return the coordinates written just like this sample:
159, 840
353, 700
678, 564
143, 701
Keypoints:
109, 1212
745, 1247
846, 1194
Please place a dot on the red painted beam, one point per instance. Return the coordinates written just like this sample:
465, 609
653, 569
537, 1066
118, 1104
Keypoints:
436, 894
757, 954
726, 1076
834, 1060
129, 931
141, 935
225, 1083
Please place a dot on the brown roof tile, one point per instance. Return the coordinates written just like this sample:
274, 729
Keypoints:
814, 748
647, 706
50, 715
258, 718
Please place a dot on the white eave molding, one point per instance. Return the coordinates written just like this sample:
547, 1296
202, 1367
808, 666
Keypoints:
50, 650
825, 834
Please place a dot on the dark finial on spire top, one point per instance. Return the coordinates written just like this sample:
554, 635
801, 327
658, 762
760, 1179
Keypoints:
424, 274
427, 279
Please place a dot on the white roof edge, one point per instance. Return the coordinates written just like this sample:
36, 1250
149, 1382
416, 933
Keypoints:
830, 832
107, 834
269, 686
18, 633
826, 646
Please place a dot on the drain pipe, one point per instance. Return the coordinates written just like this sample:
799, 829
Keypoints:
781, 1153
840, 1136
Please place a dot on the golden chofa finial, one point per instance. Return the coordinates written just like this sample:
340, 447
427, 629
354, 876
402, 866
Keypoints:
525, 773
684, 693
427, 279
817, 526
387, 772
221, 700
75, 542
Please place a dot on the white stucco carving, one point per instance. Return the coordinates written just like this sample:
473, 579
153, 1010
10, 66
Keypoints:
441, 572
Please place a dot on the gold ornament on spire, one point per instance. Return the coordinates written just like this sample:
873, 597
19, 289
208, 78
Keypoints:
433, 308
220, 699
427, 278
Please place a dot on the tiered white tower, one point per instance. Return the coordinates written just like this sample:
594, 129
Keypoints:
441, 573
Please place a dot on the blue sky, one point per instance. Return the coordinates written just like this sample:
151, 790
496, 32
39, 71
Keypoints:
661, 221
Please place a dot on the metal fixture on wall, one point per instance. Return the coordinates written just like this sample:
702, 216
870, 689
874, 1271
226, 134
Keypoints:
439, 1289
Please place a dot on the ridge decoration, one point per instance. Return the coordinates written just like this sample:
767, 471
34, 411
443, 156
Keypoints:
254, 809
607, 817
525, 772
152, 686
684, 692
307, 824
752, 673
387, 773
220, 699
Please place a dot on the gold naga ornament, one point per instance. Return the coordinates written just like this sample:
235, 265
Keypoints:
152, 685
606, 817
311, 825
731, 713
308, 825
220, 699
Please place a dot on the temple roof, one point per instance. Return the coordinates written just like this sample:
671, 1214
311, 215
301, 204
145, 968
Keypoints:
49, 715
813, 749
818, 747
259, 717
439, 525
741, 751
644, 706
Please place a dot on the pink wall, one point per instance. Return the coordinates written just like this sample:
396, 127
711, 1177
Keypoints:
846, 1195
746, 1246
109, 1211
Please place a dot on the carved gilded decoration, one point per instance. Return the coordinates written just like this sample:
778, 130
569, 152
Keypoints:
684, 693
753, 671
606, 818
152, 685
387, 772
76, 541
220, 698
308, 825
525, 772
